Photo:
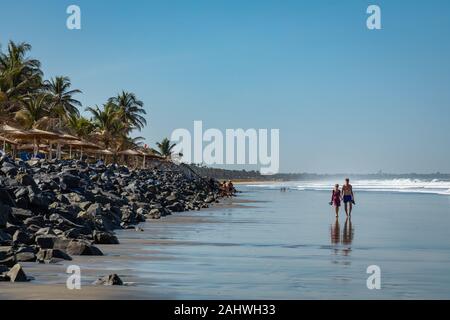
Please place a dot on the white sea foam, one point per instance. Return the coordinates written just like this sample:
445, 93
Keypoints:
434, 186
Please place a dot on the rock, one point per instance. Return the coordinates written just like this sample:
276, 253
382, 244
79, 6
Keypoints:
69, 181
8, 261
5, 198
16, 274
46, 242
111, 280
47, 231
26, 180
4, 278
9, 169
94, 209
36, 220
172, 198
22, 237
82, 248
52, 255
21, 214
25, 257
5, 213
5, 238
104, 238
154, 214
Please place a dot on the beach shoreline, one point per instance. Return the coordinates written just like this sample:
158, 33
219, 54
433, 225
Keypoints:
49, 280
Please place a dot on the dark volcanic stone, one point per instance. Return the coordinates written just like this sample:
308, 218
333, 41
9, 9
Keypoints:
5, 213
21, 214
52, 255
111, 280
69, 181
104, 238
82, 248
8, 261
46, 241
5, 198
16, 274
22, 237
25, 257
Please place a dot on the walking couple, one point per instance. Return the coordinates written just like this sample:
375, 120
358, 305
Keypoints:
346, 195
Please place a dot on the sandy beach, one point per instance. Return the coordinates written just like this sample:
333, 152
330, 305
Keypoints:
49, 280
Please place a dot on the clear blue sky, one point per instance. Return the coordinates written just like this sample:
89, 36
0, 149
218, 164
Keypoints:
345, 99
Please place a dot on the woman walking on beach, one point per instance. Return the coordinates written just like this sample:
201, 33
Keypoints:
336, 199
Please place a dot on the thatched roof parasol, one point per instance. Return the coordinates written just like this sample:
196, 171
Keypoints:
105, 152
68, 137
41, 134
5, 128
6, 140
129, 152
30, 146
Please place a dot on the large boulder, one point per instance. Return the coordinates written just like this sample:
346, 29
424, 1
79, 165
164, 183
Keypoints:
154, 214
69, 181
8, 261
16, 274
9, 169
5, 213
52, 255
25, 257
5, 238
26, 180
82, 248
22, 237
110, 280
46, 241
101, 237
21, 214
5, 198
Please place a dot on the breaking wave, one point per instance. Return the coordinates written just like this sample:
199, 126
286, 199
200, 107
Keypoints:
434, 186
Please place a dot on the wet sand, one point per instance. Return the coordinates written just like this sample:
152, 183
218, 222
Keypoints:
49, 280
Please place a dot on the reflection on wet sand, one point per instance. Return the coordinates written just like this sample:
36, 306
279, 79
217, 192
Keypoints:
336, 232
347, 234
346, 238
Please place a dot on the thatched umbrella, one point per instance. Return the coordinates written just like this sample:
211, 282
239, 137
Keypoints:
129, 152
36, 134
63, 139
8, 130
6, 140
81, 144
104, 152
30, 146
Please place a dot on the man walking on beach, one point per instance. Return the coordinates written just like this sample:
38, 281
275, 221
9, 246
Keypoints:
349, 198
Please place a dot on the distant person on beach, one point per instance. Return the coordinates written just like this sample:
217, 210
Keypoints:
336, 199
231, 189
349, 197
227, 189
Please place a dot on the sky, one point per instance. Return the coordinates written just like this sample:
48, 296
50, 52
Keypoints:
346, 99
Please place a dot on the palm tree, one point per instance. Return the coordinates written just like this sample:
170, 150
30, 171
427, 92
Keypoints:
106, 122
165, 148
19, 76
62, 99
80, 126
131, 110
34, 111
